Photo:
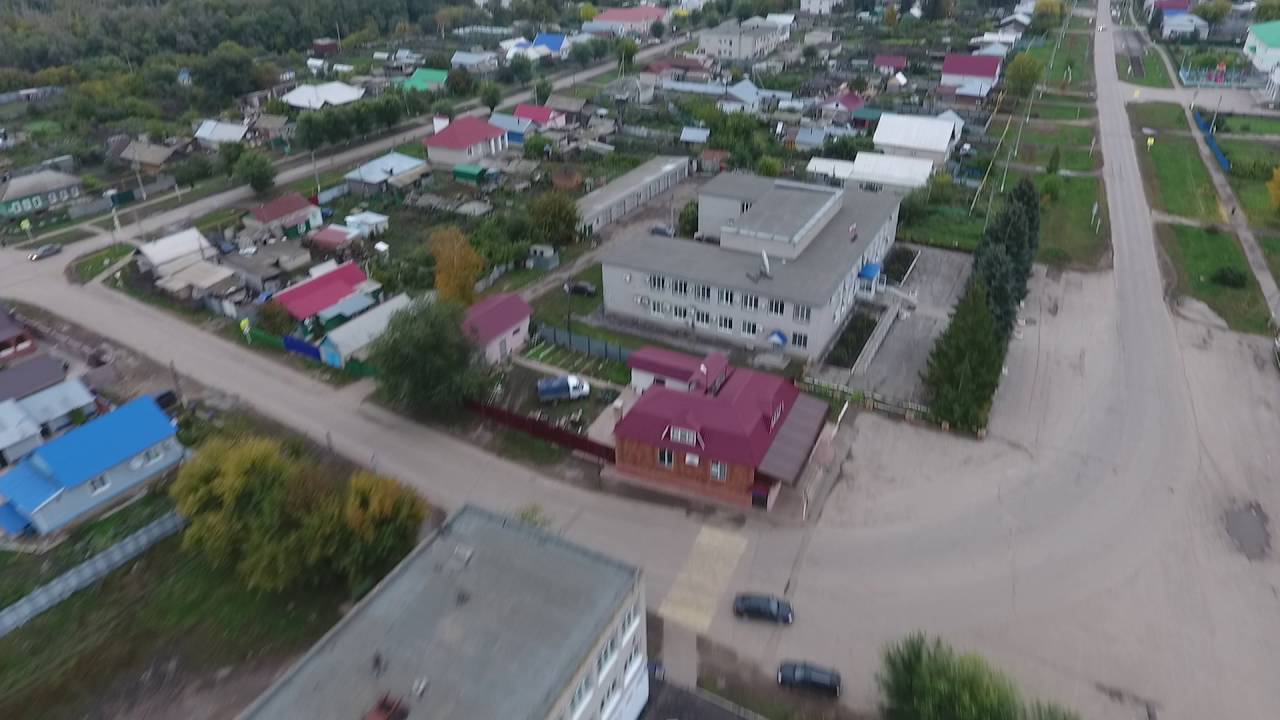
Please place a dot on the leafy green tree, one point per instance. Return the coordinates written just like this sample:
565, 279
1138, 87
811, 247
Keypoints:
228, 155
490, 95
581, 54
1026, 196
225, 73
1023, 74
1267, 10
587, 12
336, 125
426, 365
810, 54
926, 680
1011, 229
657, 29
388, 110
521, 69
846, 147
192, 170
459, 82
554, 218
443, 108
964, 366
255, 170
542, 90
535, 147
1213, 12
272, 317
309, 132
625, 49
381, 518
768, 166
687, 222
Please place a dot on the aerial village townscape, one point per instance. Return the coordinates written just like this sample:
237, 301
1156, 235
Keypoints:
680, 360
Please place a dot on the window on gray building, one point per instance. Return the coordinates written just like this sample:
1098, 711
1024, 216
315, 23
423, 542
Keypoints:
657, 282
750, 302
701, 318
680, 287
680, 312
726, 297
800, 340
803, 313
777, 307
702, 292
749, 328
725, 324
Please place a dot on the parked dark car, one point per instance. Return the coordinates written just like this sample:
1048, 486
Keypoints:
763, 607
808, 676
45, 251
662, 230
580, 287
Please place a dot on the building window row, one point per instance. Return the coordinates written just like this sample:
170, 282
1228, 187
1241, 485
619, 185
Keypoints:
724, 296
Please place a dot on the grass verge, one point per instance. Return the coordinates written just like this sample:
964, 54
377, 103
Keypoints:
1178, 180
1067, 236
93, 264
1158, 116
1197, 255
1154, 73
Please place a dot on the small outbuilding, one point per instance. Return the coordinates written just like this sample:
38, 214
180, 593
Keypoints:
498, 325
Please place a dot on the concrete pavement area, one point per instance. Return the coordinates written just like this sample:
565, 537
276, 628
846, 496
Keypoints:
1083, 546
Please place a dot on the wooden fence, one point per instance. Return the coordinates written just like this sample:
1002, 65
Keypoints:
544, 430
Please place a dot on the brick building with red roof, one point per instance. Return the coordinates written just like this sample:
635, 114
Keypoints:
731, 434
465, 141
290, 214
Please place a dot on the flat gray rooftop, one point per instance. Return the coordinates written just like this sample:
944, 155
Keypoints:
612, 192
738, 185
496, 635
784, 210
811, 278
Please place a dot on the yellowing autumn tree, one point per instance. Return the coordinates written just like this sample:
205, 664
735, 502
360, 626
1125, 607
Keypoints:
1273, 187
458, 265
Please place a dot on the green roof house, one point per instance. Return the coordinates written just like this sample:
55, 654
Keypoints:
425, 80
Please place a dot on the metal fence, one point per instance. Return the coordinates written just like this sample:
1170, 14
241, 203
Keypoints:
583, 343
86, 573
545, 431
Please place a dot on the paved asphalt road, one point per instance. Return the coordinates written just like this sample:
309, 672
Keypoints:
1080, 546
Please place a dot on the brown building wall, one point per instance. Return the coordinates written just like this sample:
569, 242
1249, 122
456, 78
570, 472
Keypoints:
641, 460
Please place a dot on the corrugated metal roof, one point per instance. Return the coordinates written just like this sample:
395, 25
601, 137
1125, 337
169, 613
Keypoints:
891, 170
103, 443
352, 337
922, 132
58, 401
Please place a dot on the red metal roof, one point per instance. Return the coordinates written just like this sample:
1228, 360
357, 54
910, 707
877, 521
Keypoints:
734, 424
974, 65
311, 296
463, 133
540, 114
494, 316
897, 62
330, 238
677, 365
282, 206
1173, 5
849, 100
644, 13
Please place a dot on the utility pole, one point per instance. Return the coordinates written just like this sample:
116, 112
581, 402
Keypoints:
138, 176
177, 384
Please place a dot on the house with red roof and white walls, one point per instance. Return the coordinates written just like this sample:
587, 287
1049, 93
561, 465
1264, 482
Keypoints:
633, 20
290, 215
498, 325
703, 427
465, 141
542, 117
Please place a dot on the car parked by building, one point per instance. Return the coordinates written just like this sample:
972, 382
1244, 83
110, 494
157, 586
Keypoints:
763, 607
807, 676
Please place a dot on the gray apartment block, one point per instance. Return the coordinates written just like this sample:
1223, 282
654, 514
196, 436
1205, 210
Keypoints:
786, 271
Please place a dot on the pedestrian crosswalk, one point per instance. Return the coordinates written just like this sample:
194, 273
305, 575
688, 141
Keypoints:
697, 590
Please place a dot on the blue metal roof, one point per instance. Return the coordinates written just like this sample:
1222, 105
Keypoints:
12, 521
870, 271
101, 444
26, 489
552, 41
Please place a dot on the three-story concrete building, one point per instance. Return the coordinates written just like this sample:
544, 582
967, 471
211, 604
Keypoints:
778, 264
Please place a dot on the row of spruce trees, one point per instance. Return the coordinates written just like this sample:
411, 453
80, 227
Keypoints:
965, 364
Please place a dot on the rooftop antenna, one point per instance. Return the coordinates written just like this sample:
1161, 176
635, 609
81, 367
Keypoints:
764, 267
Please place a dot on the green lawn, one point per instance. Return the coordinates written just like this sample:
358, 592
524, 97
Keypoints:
1072, 158
91, 265
1248, 124
1062, 111
556, 304
1254, 197
527, 448
1179, 182
1073, 55
20, 573
1066, 234
307, 185
1271, 248
1197, 254
413, 149
164, 605
576, 362
946, 227
1053, 134
1155, 76
1158, 116
218, 219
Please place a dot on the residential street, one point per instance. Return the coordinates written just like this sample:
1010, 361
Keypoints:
1081, 546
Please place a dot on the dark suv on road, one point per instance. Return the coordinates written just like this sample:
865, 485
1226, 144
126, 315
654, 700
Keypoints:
763, 607
809, 677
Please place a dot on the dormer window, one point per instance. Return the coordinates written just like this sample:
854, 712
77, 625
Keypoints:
684, 436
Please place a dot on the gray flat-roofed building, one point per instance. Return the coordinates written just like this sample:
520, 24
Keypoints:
491, 618
636, 188
822, 247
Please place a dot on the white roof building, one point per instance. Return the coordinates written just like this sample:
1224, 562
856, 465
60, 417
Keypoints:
898, 173
838, 170
314, 97
384, 168
367, 223
58, 401
955, 119
216, 132
994, 49
174, 252
353, 336
196, 278
916, 136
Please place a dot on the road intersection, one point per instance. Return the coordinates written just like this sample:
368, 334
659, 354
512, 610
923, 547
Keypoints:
1080, 546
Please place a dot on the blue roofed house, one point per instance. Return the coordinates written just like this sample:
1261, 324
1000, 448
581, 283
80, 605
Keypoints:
553, 42
90, 468
517, 129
